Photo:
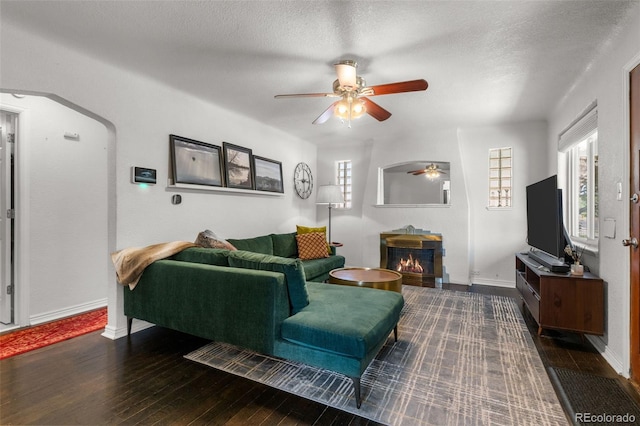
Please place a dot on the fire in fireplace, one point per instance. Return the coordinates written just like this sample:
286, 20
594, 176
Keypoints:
410, 260
409, 265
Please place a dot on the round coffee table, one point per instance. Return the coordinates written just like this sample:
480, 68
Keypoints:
383, 279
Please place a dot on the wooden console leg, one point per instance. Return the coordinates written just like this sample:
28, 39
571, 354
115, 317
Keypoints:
129, 324
539, 331
356, 387
395, 333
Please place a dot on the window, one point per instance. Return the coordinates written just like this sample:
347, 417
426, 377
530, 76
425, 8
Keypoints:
343, 178
500, 173
579, 144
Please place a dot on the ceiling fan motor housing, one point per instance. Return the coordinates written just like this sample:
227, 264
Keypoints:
338, 89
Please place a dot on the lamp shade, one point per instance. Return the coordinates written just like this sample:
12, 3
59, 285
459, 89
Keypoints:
346, 71
329, 194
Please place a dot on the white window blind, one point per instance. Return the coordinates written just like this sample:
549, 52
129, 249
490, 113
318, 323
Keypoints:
580, 129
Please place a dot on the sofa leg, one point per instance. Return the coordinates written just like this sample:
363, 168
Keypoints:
129, 324
356, 387
395, 333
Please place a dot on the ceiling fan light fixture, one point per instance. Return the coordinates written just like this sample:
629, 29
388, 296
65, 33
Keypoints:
342, 109
432, 174
349, 109
357, 108
346, 71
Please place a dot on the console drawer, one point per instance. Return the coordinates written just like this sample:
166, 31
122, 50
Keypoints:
529, 296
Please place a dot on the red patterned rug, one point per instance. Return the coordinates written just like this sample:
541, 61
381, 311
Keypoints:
31, 338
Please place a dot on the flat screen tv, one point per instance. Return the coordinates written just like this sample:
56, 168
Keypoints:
545, 228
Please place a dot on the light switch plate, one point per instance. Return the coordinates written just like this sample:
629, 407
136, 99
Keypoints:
609, 230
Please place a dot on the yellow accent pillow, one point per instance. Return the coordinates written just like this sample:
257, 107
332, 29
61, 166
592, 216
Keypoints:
312, 245
306, 230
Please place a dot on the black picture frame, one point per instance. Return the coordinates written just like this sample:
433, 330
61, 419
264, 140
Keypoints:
267, 174
196, 162
238, 166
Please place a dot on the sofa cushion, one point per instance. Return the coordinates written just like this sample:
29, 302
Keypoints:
262, 244
315, 268
306, 230
209, 256
285, 245
323, 324
209, 239
312, 245
291, 268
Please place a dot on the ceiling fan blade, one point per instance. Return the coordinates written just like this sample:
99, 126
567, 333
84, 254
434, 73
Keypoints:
401, 87
417, 172
307, 95
375, 110
326, 114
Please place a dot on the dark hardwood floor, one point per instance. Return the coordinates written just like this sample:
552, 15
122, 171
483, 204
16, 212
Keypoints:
146, 380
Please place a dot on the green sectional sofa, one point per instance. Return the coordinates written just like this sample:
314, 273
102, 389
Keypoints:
264, 302
284, 245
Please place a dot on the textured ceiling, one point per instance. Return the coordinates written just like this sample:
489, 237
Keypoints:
486, 61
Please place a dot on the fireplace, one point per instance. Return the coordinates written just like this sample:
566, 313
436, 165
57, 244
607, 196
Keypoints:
416, 254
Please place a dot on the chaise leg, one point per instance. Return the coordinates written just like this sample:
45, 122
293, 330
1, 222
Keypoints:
129, 324
395, 333
356, 387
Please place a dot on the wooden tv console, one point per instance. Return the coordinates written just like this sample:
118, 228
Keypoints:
561, 301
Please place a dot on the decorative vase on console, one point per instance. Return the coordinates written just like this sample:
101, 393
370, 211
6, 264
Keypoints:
577, 268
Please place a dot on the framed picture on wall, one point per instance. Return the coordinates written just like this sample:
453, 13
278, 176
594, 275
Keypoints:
238, 166
195, 162
268, 174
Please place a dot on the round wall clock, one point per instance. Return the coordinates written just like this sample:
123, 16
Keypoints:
303, 180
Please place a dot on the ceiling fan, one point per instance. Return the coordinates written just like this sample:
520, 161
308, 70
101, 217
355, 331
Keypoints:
431, 171
354, 95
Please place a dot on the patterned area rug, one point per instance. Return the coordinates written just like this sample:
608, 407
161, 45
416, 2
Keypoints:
461, 358
31, 338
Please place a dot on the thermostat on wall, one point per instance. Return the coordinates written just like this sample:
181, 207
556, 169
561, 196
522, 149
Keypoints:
143, 175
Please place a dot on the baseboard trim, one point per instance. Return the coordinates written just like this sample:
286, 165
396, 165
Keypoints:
603, 349
67, 312
494, 283
114, 333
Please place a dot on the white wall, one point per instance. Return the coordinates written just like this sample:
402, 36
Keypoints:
359, 228
67, 208
475, 239
606, 81
141, 114
497, 234
347, 224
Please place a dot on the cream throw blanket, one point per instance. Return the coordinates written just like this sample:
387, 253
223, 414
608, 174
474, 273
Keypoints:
131, 262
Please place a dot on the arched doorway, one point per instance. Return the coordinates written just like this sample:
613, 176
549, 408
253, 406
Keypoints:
64, 208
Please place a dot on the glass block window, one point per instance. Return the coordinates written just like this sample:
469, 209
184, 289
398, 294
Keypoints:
343, 178
500, 175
